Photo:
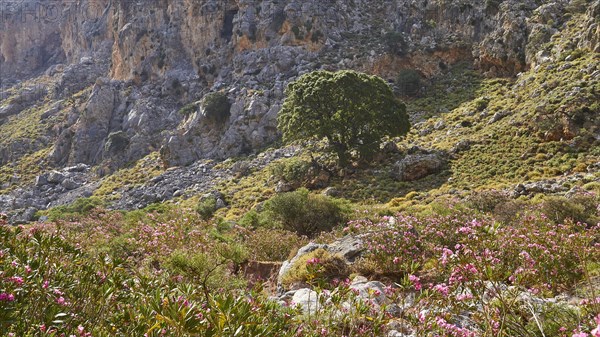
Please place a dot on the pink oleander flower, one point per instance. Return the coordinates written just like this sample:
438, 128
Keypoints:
464, 297
580, 334
442, 289
16, 280
312, 261
446, 253
45, 284
415, 281
596, 331
61, 301
5, 297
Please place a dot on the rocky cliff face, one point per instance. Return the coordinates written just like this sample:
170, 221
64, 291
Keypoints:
116, 79
155, 56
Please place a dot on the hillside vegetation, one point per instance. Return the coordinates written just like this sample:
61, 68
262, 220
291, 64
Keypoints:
482, 220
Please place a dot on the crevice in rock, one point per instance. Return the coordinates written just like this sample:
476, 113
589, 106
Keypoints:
227, 31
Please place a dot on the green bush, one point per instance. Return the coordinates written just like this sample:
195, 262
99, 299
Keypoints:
396, 43
292, 171
216, 106
121, 247
81, 206
209, 269
188, 109
486, 201
481, 103
267, 244
250, 219
206, 208
409, 82
116, 142
581, 208
305, 213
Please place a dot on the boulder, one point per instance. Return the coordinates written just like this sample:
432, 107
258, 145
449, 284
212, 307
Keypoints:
331, 192
70, 184
461, 146
370, 290
307, 299
27, 215
349, 248
417, 166
77, 168
55, 177
283, 187
41, 180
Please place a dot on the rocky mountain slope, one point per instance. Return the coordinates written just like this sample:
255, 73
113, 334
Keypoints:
96, 89
147, 191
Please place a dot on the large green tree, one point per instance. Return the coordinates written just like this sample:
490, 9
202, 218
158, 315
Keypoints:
352, 110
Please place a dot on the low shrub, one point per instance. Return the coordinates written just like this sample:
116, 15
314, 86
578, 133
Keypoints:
209, 269
305, 213
481, 103
216, 106
272, 244
409, 82
81, 206
207, 207
188, 109
292, 171
580, 208
486, 201
116, 142
396, 43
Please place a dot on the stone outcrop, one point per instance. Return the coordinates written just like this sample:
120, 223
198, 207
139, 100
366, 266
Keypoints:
417, 166
349, 248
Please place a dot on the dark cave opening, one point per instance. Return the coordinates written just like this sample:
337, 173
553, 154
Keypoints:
227, 31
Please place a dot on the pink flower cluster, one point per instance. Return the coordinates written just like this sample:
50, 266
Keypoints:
416, 281
313, 261
454, 330
5, 297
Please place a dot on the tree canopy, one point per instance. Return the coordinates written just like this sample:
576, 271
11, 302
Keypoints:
352, 110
